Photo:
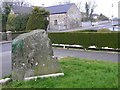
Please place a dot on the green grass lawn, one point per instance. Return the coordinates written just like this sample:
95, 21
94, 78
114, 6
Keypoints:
79, 73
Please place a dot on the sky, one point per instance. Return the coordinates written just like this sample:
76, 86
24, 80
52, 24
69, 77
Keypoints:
103, 6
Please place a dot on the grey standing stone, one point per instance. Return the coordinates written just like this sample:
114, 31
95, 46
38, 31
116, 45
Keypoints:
32, 55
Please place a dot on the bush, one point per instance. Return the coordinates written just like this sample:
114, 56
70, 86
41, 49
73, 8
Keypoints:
17, 23
3, 36
104, 30
38, 19
21, 22
11, 22
87, 39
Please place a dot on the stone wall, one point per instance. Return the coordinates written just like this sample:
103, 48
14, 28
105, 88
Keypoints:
69, 20
61, 21
74, 17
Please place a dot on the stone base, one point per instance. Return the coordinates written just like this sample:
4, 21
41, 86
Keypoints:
44, 76
4, 81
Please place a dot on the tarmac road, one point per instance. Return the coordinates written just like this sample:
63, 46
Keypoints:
94, 55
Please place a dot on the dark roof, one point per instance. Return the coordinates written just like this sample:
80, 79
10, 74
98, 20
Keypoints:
22, 10
57, 9
95, 14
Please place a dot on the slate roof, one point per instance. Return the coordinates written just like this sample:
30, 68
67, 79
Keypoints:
57, 9
95, 14
21, 10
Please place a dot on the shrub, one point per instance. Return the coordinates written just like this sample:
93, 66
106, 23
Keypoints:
17, 23
21, 22
104, 30
38, 19
3, 36
11, 22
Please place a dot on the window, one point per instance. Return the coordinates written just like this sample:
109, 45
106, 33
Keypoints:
55, 22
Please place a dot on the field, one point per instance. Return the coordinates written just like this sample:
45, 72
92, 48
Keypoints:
79, 73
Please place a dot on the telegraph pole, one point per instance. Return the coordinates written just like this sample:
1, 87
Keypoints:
112, 17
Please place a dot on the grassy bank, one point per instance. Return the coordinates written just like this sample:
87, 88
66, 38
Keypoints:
79, 73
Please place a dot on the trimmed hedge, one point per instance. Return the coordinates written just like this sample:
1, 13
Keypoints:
87, 39
15, 34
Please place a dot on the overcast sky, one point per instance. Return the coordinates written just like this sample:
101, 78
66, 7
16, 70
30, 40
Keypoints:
103, 6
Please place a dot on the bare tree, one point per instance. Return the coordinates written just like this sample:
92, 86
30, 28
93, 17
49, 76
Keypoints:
22, 3
89, 9
63, 2
16, 3
80, 6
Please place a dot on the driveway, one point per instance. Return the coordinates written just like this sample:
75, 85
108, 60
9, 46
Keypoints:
94, 55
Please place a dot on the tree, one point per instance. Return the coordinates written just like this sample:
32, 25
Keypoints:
11, 22
21, 22
0, 22
22, 3
5, 14
17, 23
38, 19
63, 2
16, 3
89, 9
102, 17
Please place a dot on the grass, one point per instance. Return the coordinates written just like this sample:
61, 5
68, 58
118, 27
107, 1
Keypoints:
79, 73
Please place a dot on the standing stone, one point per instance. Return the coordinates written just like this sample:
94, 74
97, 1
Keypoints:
32, 55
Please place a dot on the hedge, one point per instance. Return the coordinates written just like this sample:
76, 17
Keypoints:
87, 39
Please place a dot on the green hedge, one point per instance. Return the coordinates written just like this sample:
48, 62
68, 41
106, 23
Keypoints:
87, 39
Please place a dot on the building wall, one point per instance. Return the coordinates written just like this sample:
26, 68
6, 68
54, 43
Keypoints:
61, 22
74, 17
69, 20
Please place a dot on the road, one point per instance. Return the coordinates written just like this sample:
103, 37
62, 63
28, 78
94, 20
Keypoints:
95, 55
96, 27
5, 59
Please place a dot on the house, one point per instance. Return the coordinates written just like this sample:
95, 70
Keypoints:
66, 16
21, 10
95, 16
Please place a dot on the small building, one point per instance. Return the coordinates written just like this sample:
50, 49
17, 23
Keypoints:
66, 16
95, 16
